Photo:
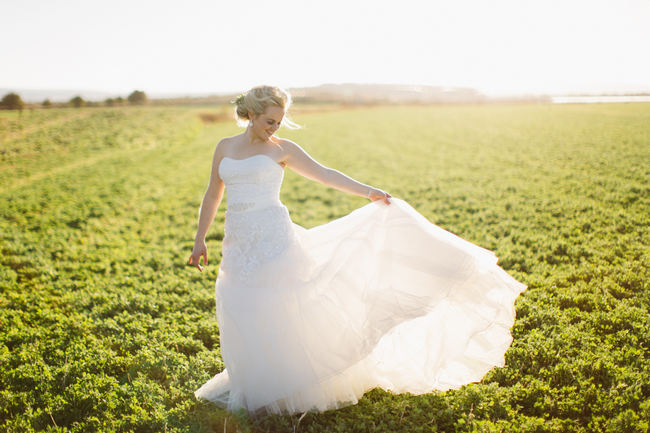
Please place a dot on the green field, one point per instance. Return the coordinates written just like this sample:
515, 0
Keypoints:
105, 328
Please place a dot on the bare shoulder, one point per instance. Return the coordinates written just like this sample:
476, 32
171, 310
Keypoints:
299, 160
290, 148
224, 145
287, 144
227, 141
221, 150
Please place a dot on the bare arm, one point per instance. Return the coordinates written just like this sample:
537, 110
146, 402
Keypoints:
211, 199
302, 163
210, 204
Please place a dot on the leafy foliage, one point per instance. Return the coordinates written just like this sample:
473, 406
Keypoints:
77, 102
12, 101
103, 326
137, 97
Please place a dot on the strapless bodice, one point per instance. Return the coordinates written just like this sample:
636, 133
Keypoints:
252, 183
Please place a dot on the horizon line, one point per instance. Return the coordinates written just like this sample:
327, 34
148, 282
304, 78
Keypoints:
161, 94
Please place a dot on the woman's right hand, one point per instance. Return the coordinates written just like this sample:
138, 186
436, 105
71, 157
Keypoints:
200, 249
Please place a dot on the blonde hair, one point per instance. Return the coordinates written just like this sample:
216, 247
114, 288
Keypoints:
257, 99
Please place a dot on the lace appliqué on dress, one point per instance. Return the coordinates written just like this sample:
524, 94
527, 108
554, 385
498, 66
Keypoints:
253, 238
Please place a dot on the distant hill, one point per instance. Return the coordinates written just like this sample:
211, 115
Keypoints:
386, 93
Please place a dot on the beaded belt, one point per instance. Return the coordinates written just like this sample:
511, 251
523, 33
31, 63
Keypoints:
258, 204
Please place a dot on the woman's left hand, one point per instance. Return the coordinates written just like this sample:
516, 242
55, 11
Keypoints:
377, 194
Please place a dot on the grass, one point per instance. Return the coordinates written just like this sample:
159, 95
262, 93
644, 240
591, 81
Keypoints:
103, 326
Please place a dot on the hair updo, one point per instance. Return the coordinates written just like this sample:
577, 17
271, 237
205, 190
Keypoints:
257, 99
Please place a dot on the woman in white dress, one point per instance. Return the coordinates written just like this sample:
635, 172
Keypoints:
311, 319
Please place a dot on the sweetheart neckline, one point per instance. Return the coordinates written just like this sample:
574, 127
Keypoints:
252, 156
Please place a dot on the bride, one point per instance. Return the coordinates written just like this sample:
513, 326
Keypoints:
311, 319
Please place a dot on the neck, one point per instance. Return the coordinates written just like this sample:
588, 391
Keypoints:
251, 138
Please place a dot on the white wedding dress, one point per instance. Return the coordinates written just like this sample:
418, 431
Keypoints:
311, 319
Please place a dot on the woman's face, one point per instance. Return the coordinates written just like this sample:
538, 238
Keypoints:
265, 124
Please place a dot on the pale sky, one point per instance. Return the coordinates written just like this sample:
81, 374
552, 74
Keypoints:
496, 46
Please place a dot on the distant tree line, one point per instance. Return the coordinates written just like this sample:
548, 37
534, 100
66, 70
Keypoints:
13, 101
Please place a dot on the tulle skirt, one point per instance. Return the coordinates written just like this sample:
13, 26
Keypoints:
380, 297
